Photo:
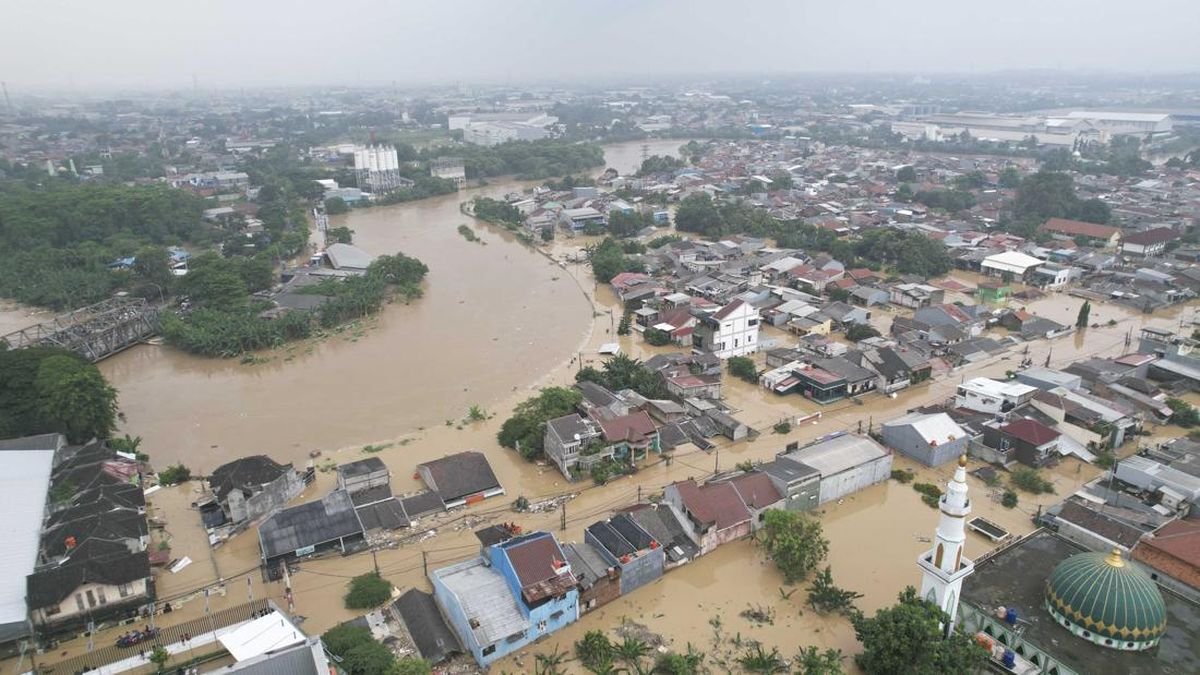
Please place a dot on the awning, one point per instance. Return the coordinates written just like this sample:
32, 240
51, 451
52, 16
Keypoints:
262, 635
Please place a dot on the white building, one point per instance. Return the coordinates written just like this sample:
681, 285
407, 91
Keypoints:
1013, 263
497, 128
729, 331
847, 464
944, 567
449, 168
992, 396
1154, 124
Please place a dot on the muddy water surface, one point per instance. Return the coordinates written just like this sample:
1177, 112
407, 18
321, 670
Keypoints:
494, 318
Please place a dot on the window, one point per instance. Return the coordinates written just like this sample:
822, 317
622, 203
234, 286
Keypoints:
1086, 634
1107, 643
488, 650
125, 589
752, 322
91, 599
100, 594
556, 616
52, 610
541, 625
79, 601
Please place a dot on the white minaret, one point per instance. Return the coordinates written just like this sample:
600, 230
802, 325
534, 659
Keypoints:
944, 567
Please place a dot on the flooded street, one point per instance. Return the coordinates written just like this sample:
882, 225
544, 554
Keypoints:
494, 320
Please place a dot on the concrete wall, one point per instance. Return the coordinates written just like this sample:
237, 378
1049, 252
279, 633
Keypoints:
905, 439
799, 497
365, 481
274, 495
546, 617
1169, 571
462, 628
68, 609
855, 478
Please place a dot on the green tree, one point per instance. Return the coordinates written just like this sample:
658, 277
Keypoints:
74, 398
625, 327
904, 193
159, 656
906, 174
1183, 413
794, 542
697, 213
656, 337
908, 638
525, 430
367, 591
1085, 310
758, 660
811, 661
153, 265
690, 662
174, 474
335, 206
858, 332
410, 665
339, 235
215, 286
608, 260
825, 597
743, 367
343, 637
631, 650
1010, 177
369, 658
594, 651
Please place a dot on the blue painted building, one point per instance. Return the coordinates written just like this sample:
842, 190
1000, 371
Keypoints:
518, 591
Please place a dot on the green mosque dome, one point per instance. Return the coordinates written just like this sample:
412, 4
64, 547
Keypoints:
1103, 598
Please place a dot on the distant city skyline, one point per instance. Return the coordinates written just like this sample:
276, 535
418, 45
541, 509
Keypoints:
224, 44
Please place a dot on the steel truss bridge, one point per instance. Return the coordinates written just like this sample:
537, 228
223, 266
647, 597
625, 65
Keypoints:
94, 332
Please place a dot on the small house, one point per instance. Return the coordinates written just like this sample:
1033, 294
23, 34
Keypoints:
712, 514
624, 544
930, 438
460, 479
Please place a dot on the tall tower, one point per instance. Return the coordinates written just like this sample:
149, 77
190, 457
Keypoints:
943, 567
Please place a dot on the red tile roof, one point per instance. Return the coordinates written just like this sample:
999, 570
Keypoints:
634, 427
533, 560
1079, 227
756, 490
1180, 539
1158, 235
728, 309
1031, 431
714, 503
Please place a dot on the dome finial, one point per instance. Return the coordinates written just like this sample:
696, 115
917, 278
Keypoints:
962, 460
1114, 558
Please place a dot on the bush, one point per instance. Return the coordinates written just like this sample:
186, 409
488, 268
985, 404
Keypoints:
656, 337
860, 331
930, 493
902, 475
1031, 481
1183, 414
783, 428
743, 367
1009, 500
174, 474
368, 591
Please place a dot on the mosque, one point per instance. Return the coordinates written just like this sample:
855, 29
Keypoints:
1046, 606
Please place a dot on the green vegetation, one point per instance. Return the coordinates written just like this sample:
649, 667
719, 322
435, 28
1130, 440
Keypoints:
60, 240
608, 259
528, 160
946, 200
930, 493
525, 431
1030, 481
336, 206
689, 663
743, 367
227, 323
368, 591
496, 211
758, 660
45, 390
625, 327
361, 654
1049, 194
628, 224
174, 475
468, 233
811, 661
659, 164
907, 638
906, 174
782, 428
1081, 320
656, 337
903, 476
663, 240
1183, 413
159, 656
1009, 499
794, 542
826, 598
339, 235
594, 651
624, 372
861, 331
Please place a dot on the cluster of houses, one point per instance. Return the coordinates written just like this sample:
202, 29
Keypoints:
77, 541
578, 210
623, 427
523, 586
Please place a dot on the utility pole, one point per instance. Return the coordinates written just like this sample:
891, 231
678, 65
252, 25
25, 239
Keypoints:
562, 525
716, 461
860, 427
375, 560
425, 562
639, 499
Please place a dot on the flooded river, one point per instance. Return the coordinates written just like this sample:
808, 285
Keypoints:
494, 319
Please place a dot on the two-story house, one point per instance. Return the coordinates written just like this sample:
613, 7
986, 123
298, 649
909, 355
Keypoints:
985, 395
625, 545
567, 438
729, 331
519, 591
712, 514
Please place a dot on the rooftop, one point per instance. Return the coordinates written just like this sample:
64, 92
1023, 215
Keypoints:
1031, 431
1016, 577
244, 472
486, 601
1079, 227
460, 475
996, 388
933, 427
834, 455
311, 524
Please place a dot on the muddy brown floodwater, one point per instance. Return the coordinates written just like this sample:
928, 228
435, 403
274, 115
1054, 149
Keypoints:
494, 319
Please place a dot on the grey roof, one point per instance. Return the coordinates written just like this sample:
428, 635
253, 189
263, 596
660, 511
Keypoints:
362, 467
348, 256
460, 475
422, 503
788, 470
245, 472
838, 454
388, 515
329, 518
38, 442
596, 394
306, 658
371, 495
485, 599
586, 564
569, 427
432, 637
660, 522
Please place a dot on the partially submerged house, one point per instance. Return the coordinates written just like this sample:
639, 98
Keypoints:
623, 544
461, 479
846, 463
251, 487
325, 524
712, 514
930, 438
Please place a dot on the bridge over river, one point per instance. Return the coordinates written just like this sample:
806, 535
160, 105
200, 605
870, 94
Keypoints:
94, 332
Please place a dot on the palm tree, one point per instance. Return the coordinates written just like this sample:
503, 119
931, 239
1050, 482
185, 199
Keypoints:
758, 660
632, 650
550, 664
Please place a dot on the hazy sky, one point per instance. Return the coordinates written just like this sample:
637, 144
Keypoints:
243, 42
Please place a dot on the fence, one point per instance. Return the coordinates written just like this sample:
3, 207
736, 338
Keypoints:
167, 635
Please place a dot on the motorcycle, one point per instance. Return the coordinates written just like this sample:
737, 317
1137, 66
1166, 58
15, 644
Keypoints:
137, 637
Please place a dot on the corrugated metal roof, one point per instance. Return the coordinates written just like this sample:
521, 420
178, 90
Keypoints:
937, 427
24, 484
485, 599
839, 454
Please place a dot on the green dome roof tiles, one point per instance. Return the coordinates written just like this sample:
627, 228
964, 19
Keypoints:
1108, 596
